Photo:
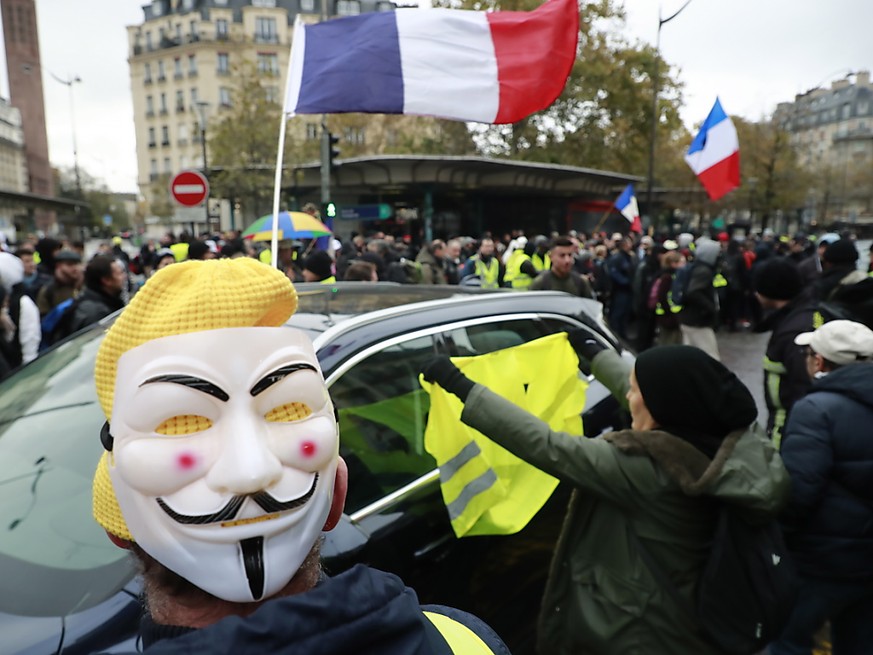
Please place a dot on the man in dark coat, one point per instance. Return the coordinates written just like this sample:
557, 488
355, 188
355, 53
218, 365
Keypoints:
699, 314
620, 268
779, 290
829, 518
105, 280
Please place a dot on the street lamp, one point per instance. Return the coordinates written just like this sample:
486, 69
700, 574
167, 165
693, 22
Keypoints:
70, 82
201, 111
655, 91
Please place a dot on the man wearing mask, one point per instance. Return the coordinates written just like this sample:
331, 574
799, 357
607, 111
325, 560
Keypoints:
220, 474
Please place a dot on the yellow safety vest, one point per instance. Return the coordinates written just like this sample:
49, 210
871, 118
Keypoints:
541, 262
719, 281
486, 489
180, 251
513, 275
459, 637
328, 280
489, 273
265, 256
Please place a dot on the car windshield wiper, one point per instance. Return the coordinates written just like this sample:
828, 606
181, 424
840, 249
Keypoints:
46, 411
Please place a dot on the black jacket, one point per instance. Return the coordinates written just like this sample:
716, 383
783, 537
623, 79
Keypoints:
359, 612
793, 383
828, 452
700, 303
91, 306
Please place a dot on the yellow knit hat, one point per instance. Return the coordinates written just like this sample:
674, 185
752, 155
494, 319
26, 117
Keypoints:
192, 296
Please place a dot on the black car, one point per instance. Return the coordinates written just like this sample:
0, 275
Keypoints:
67, 589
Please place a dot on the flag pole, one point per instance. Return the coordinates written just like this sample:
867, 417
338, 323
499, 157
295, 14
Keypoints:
277, 182
603, 218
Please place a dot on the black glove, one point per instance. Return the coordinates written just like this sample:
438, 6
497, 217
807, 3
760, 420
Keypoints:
585, 345
444, 373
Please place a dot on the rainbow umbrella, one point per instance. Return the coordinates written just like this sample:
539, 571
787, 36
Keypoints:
292, 225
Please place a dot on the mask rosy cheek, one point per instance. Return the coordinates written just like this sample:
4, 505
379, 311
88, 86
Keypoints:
186, 461
308, 449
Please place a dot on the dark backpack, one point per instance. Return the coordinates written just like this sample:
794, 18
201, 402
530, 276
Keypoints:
58, 323
680, 283
852, 302
747, 589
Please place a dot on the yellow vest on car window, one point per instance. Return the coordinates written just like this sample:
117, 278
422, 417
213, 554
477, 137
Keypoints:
486, 489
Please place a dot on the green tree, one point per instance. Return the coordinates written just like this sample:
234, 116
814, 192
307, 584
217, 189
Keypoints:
242, 142
603, 117
772, 181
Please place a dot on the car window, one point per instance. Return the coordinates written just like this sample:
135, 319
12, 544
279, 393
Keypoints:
382, 413
481, 338
54, 558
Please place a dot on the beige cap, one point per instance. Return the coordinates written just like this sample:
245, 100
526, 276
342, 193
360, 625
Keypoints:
840, 342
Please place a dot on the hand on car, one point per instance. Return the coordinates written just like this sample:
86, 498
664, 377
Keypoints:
585, 345
441, 371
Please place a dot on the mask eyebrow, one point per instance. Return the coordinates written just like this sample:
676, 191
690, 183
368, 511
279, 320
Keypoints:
192, 382
273, 377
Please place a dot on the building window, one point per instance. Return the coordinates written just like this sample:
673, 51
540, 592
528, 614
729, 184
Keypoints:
272, 93
187, 5
386, 6
163, 103
180, 101
224, 96
168, 168
221, 2
165, 135
221, 28
177, 68
183, 135
193, 34
152, 142
147, 74
354, 135
307, 5
178, 33
263, 3
193, 95
223, 63
157, 8
847, 111
161, 73
268, 63
192, 64
348, 7
153, 169
312, 131
150, 106
265, 30
148, 40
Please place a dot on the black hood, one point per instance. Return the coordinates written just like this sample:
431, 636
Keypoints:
854, 381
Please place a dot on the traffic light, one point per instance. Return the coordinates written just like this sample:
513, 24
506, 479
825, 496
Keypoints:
333, 151
329, 210
329, 151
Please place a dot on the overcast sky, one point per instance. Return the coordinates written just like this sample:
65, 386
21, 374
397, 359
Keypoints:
750, 53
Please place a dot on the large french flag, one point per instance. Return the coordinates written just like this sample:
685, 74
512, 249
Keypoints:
714, 155
488, 67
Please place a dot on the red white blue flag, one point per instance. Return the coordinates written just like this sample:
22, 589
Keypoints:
714, 155
627, 205
488, 67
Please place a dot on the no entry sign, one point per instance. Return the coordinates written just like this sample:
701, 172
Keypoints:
189, 188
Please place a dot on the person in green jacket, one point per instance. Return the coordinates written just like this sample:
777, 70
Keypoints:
693, 443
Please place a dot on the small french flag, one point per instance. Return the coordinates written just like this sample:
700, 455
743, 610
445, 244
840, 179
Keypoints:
714, 155
487, 67
627, 205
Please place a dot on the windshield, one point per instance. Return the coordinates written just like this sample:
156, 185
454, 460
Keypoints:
54, 558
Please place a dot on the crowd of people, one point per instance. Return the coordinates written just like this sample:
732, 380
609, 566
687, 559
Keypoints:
643, 509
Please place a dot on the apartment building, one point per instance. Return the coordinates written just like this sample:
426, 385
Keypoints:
181, 60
